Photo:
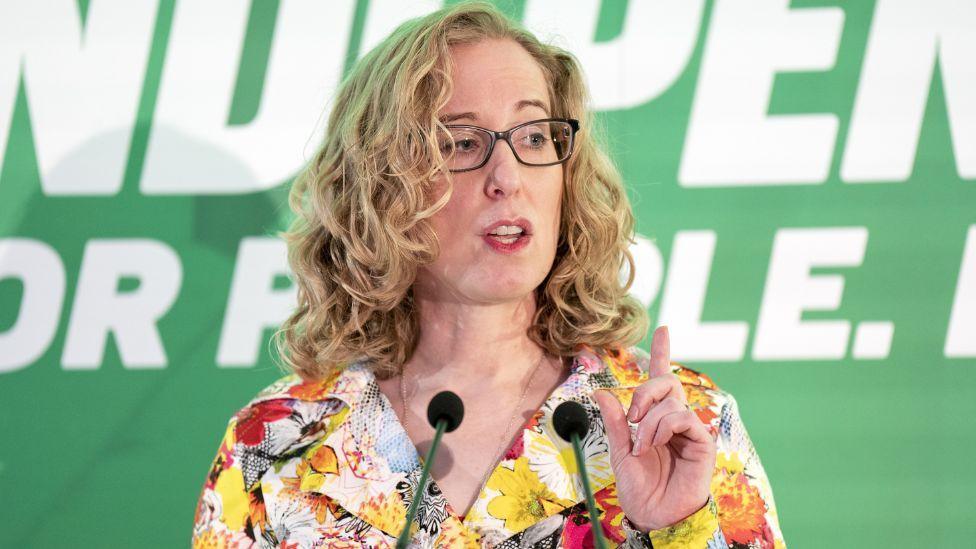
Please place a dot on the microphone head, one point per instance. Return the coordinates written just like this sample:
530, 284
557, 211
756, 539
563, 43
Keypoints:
447, 406
570, 417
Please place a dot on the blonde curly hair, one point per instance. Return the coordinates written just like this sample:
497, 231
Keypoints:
363, 202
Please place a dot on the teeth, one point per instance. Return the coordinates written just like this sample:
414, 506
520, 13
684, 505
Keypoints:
506, 240
506, 230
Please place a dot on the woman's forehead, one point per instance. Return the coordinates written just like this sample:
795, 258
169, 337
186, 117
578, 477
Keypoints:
531, 105
495, 74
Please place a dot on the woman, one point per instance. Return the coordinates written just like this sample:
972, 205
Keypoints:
461, 229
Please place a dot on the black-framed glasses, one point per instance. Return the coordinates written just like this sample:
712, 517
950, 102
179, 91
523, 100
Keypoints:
542, 142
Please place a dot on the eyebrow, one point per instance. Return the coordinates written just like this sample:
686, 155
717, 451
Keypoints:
448, 118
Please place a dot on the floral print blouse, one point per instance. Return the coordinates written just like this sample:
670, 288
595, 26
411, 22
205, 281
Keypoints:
327, 464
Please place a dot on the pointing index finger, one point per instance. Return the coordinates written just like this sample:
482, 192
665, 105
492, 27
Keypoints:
660, 352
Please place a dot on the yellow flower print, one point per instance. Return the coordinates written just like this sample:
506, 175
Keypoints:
553, 461
730, 462
233, 498
319, 460
694, 531
701, 402
323, 506
313, 390
324, 460
624, 394
259, 515
697, 397
454, 534
692, 377
474, 513
385, 511
337, 419
524, 499
611, 513
625, 369
741, 509
206, 540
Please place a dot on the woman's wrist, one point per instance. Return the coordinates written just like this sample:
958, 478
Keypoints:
647, 528
699, 529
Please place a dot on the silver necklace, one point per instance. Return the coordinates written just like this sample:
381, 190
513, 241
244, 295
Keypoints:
504, 436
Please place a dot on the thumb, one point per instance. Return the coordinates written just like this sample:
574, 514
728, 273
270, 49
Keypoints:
615, 422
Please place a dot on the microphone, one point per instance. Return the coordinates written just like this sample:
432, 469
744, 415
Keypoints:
444, 413
572, 424
445, 406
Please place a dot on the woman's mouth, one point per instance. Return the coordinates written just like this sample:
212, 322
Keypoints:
506, 239
508, 235
507, 243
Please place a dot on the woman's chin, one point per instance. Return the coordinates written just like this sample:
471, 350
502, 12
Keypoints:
489, 284
500, 290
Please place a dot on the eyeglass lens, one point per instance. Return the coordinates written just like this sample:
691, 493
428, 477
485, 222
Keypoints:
535, 144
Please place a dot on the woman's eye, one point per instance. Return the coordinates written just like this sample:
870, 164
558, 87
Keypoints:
537, 140
460, 145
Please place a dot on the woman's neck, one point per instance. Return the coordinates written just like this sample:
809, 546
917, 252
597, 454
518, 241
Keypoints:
473, 344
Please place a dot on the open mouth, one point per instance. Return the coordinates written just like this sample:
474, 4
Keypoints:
507, 239
506, 234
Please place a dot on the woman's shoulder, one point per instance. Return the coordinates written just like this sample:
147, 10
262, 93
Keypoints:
291, 386
289, 414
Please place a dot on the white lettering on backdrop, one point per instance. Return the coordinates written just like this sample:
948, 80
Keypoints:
961, 337
254, 305
641, 63
304, 66
731, 139
100, 309
82, 86
40, 271
791, 289
906, 40
683, 301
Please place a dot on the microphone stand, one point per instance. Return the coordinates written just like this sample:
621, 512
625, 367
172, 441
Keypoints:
598, 539
422, 486
571, 424
444, 413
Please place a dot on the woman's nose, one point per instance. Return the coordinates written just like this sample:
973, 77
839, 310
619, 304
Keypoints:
504, 176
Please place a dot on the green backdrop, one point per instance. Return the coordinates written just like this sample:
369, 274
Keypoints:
802, 172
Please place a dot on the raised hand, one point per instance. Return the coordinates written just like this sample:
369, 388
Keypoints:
663, 476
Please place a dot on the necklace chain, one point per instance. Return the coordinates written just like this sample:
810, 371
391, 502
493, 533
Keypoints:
504, 435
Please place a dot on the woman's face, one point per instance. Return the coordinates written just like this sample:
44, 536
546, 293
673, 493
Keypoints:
497, 85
